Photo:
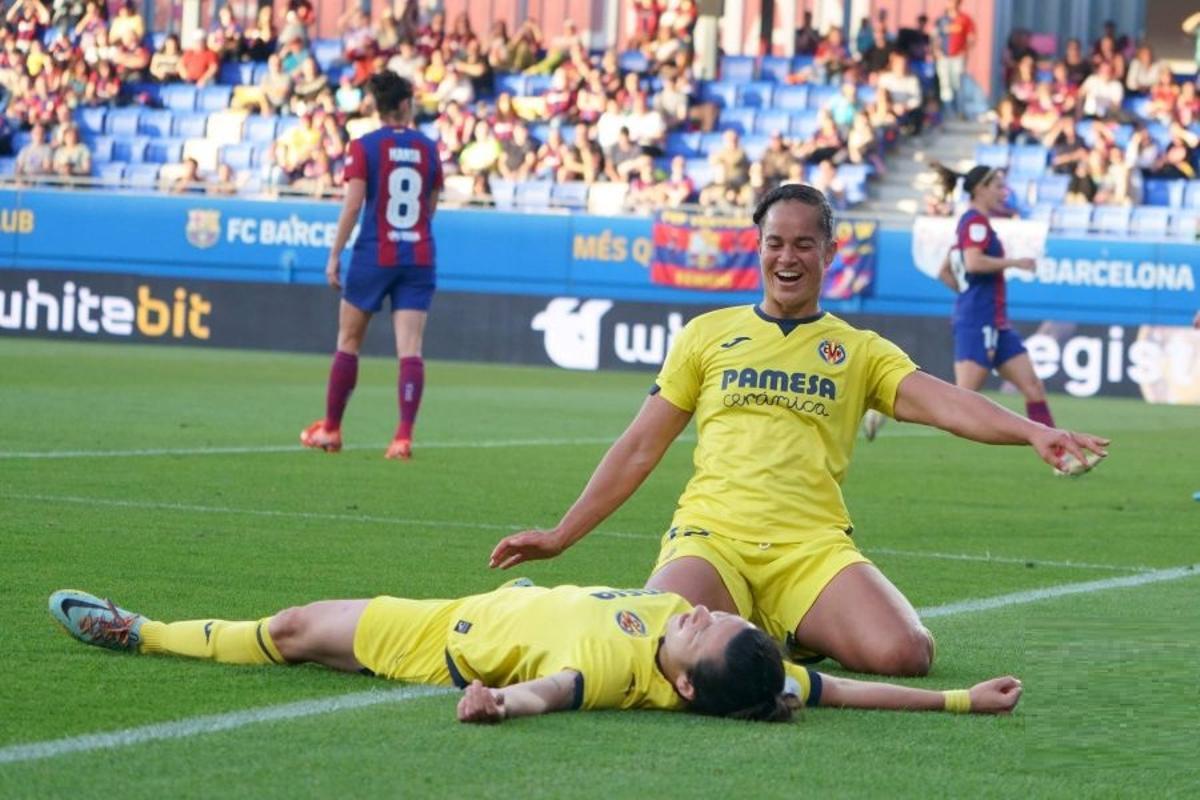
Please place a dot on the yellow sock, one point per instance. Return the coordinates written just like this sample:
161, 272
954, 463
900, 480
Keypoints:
246, 642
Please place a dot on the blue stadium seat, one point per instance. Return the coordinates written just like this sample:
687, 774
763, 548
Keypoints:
1051, 189
866, 95
534, 195
537, 84
190, 125
992, 155
164, 151
259, 129
142, 176
683, 144
8, 166
1184, 223
1122, 134
20, 139
1161, 134
1042, 212
427, 129
157, 38
132, 149
773, 120
102, 148
1028, 159
1072, 219
235, 73
122, 121
571, 194
710, 142
1112, 220
737, 68
1163, 192
179, 96
146, 93
327, 52
90, 120
504, 192
720, 92
1021, 190
1191, 194
156, 122
1137, 106
775, 68
804, 125
511, 82
238, 156
738, 119
111, 174
633, 61
214, 98
755, 95
1150, 221
755, 144
700, 171
260, 71
261, 154
791, 98
801, 62
819, 95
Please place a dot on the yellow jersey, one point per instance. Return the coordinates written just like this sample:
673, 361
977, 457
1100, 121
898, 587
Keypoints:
777, 404
609, 636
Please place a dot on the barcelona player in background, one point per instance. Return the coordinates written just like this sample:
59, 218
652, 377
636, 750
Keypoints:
777, 390
983, 338
393, 176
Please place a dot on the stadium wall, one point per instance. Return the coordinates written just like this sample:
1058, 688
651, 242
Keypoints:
1093, 280
1160, 364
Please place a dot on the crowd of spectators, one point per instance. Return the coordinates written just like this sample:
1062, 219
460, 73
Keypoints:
1112, 117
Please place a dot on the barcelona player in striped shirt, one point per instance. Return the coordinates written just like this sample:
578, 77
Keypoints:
393, 178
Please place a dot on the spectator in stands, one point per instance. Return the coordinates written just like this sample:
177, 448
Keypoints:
1024, 81
1078, 68
453, 86
226, 182
526, 45
826, 144
293, 52
1016, 48
307, 85
408, 62
358, 41
1121, 185
472, 65
35, 159
678, 188
904, 92
431, 77
552, 155
295, 148
319, 177
459, 37
807, 37
584, 160
591, 99
260, 40
832, 58
518, 159
830, 184
482, 153
164, 64
104, 88
732, 160
430, 36
1144, 72
845, 104
225, 38
1141, 151
1164, 97
645, 23
647, 126
127, 20
387, 32
660, 52
915, 43
190, 181
1064, 93
294, 30
1178, 159
1040, 115
558, 51
132, 58
1105, 51
1085, 177
721, 193
560, 97
679, 16
455, 129
755, 187
499, 48
1068, 150
348, 96
481, 192
875, 58
622, 158
199, 64
862, 144
1187, 105
956, 37
776, 159
1101, 94
91, 23
645, 194
276, 86
28, 19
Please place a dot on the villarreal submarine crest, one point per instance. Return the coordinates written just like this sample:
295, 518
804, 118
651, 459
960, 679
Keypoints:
630, 623
831, 351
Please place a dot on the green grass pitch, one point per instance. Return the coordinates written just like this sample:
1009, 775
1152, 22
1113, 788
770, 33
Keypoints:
218, 514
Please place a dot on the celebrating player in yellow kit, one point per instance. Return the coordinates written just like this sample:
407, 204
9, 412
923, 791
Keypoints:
778, 390
523, 650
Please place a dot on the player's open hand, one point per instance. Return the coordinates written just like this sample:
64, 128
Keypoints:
333, 272
480, 704
1054, 445
997, 696
525, 546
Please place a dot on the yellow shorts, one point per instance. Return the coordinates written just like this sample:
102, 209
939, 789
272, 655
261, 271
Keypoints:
773, 585
405, 640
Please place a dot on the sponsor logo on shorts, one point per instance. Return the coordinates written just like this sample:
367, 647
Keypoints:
831, 351
203, 227
631, 623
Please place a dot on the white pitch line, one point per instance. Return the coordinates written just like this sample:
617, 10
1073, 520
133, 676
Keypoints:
213, 723
987, 558
237, 719
485, 444
1063, 590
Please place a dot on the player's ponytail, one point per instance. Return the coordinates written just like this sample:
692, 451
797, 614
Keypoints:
748, 685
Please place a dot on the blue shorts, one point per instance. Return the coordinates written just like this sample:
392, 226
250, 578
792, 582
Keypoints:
985, 345
409, 288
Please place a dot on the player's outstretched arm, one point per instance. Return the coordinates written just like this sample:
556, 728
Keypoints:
995, 696
481, 704
626, 464
931, 401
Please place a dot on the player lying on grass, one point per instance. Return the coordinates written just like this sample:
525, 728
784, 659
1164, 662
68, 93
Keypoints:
521, 650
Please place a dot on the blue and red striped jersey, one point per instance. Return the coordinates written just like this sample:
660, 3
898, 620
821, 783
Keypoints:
403, 172
983, 301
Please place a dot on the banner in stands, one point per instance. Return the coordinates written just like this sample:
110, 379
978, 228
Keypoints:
1161, 364
1096, 280
703, 251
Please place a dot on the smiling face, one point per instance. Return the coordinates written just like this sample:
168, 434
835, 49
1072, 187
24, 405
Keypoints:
794, 250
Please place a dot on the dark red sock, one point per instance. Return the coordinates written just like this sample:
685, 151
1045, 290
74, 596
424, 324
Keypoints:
1039, 412
412, 384
343, 375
